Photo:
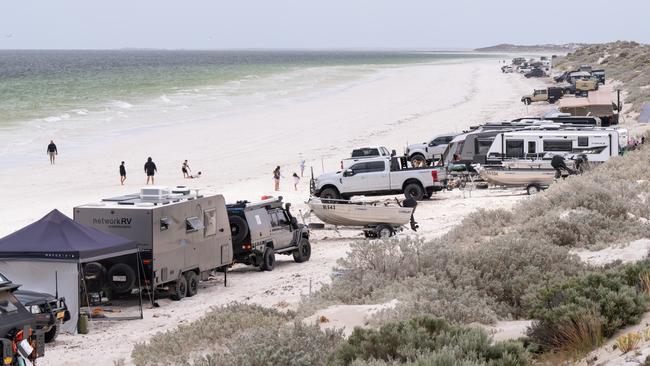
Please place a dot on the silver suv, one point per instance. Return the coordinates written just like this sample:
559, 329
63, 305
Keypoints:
425, 153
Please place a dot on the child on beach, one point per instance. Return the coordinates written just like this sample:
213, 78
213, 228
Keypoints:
185, 168
276, 177
198, 175
122, 173
296, 180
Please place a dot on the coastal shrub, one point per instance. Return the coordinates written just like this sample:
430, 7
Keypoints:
295, 345
174, 347
613, 296
628, 342
407, 341
479, 226
572, 331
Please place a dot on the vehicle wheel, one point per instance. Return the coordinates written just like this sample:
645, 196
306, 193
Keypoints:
418, 161
303, 252
179, 289
533, 189
121, 278
414, 190
330, 193
94, 276
385, 231
238, 229
527, 101
50, 335
551, 101
268, 259
192, 283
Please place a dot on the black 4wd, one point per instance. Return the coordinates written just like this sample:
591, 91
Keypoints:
19, 338
49, 311
261, 230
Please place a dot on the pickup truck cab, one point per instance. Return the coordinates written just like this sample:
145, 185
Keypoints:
379, 176
363, 153
428, 151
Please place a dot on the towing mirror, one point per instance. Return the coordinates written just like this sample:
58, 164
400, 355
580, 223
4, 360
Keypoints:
393, 153
348, 173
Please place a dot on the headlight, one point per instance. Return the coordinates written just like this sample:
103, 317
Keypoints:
35, 309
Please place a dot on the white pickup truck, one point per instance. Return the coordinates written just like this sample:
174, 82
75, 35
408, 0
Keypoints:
379, 176
426, 152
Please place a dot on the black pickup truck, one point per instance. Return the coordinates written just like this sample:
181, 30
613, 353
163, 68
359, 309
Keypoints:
20, 338
49, 311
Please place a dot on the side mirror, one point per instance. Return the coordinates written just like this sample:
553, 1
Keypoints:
393, 153
348, 173
287, 206
432, 144
294, 221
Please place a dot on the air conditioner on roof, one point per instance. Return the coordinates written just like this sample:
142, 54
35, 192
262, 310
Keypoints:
154, 193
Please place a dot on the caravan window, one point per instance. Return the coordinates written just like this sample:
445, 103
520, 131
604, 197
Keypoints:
483, 146
210, 221
515, 148
193, 224
558, 145
531, 147
583, 141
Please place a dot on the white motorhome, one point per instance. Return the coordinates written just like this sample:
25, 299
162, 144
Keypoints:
598, 144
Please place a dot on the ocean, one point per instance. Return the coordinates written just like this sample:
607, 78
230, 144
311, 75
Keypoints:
82, 96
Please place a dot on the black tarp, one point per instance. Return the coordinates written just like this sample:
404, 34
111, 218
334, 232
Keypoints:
57, 237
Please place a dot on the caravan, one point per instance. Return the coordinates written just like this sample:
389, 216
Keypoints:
598, 145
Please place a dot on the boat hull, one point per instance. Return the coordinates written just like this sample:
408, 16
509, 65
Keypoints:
518, 177
352, 214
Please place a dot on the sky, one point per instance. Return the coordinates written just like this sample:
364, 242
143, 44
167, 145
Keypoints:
324, 24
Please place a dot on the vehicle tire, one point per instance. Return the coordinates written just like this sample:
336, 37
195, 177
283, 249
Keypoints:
179, 289
418, 161
192, 283
50, 335
414, 190
238, 229
94, 274
303, 253
385, 231
330, 193
551, 101
121, 278
527, 101
268, 259
533, 189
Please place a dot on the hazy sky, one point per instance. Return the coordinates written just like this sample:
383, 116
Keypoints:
316, 24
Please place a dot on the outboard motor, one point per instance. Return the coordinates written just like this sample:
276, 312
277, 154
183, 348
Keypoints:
411, 202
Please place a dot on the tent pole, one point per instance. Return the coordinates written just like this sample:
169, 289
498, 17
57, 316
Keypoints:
139, 259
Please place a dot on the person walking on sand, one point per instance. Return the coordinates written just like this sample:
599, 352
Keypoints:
296, 180
302, 167
276, 177
186, 169
150, 169
52, 151
122, 173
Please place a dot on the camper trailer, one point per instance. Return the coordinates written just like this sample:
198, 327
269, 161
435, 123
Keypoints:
597, 144
182, 237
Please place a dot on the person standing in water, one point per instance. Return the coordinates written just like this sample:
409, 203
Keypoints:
186, 169
276, 177
150, 169
52, 151
122, 173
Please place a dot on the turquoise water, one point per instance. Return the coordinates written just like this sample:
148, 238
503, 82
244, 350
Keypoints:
41, 84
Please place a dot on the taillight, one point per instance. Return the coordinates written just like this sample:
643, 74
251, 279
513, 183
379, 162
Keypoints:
341, 164
434, 175
146, 262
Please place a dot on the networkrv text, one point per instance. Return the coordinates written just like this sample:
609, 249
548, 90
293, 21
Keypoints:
113, 221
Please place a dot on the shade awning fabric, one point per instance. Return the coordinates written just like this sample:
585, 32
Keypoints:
57, 237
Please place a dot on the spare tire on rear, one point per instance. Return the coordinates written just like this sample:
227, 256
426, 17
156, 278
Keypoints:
121, 278
94, 275
238, 229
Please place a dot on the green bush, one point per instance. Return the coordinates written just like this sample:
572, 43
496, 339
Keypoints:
416, 339
212, 330
295, 345
612, 297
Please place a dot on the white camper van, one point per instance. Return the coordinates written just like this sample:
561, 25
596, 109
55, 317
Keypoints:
597, 144
182, 236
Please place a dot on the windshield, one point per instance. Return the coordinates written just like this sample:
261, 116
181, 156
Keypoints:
7, 303
3, 278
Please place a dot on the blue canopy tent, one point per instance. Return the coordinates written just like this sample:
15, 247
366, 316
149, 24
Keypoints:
47, 256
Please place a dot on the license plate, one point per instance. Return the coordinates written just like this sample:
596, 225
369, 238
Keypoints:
60, 315
119, 278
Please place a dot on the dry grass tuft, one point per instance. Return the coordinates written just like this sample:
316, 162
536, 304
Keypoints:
628, 342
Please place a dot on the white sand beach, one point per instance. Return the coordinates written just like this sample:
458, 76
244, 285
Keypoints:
236, 155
